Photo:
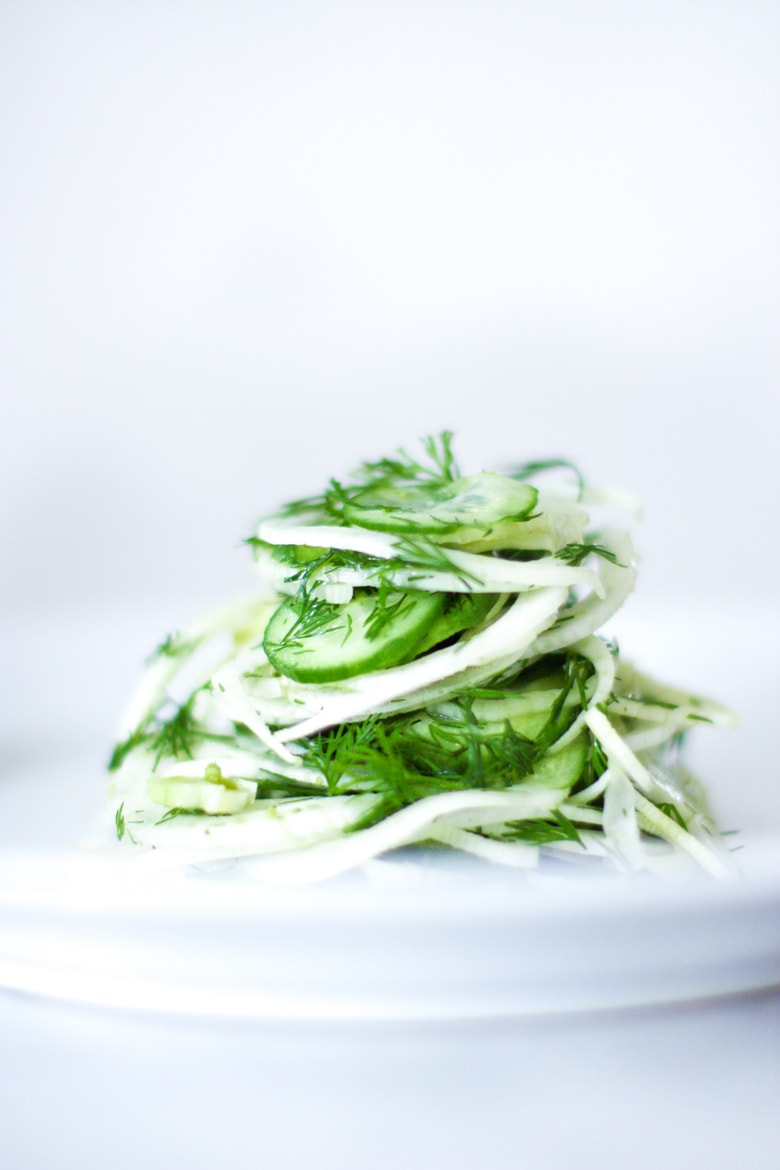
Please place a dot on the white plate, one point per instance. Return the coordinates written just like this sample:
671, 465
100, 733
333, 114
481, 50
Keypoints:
412, 936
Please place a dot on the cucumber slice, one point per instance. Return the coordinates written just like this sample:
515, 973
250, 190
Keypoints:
527, 707
312, 641
462, 611
213, 793
562, 769
475, 502
559, 770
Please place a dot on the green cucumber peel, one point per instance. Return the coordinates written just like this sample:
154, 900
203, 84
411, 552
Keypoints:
422, 661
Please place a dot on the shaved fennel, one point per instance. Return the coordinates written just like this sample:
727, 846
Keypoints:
420, 664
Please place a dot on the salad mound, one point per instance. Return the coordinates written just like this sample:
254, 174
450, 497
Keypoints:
419, 664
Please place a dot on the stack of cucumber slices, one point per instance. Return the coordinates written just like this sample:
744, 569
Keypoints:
419, 664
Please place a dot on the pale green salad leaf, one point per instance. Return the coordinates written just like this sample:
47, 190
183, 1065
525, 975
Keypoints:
419, 664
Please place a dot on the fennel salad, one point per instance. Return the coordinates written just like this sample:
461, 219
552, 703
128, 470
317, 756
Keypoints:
419, 664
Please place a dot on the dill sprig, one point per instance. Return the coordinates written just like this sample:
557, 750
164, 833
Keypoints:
574, 554
576, 672
542, 831
436, 468
671, 810
440, 470
410, 756
334, 751
137, 737
172, 813
386, 610
423, 555
173, 646
174, 737
312, 615
309, 563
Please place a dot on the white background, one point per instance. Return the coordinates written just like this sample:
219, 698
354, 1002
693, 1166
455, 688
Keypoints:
245, 245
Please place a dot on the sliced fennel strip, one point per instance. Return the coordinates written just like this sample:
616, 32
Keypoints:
253, 724
221, 624
649, 816
473, 573
590, 614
